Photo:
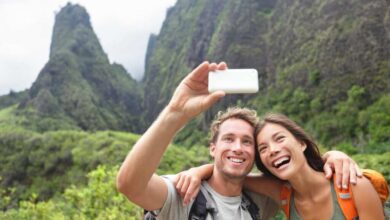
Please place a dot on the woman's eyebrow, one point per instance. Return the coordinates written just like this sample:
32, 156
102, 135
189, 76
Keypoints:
276, 134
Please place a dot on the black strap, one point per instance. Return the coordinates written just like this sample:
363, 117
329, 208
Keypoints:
202, 206
148, 215
248, 204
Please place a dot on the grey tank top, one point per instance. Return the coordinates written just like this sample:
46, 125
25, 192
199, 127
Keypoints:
337, 212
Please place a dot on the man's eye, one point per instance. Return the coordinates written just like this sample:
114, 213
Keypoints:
228, 139
248, 142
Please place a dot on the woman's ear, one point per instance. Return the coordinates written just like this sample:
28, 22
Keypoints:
303, 146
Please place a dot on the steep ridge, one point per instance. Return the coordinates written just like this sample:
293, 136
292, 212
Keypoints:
314, 57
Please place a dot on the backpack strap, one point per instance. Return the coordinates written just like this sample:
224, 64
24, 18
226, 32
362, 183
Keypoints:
248, 204
202, 206
148, 215
379, 182
345, 200
285, 196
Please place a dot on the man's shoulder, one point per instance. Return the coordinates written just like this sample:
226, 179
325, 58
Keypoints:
173, 207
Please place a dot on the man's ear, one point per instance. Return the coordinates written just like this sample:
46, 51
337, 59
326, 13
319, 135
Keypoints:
212, 149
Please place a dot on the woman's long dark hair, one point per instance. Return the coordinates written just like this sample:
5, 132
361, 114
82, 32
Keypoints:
312, 154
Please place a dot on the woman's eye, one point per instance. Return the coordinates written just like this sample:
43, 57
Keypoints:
280, 138
262, 149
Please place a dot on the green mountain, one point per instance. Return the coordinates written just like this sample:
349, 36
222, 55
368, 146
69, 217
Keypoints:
78, 87
321, 62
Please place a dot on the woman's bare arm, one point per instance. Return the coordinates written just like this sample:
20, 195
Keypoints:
367, 200
265, 185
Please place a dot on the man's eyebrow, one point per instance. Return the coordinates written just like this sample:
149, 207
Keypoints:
249, 136
228, 134
233, 134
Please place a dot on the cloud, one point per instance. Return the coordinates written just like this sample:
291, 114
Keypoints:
122, 26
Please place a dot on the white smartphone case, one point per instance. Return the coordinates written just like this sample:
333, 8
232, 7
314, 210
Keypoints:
234, 81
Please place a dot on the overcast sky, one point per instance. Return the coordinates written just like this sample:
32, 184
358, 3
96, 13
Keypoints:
122, 26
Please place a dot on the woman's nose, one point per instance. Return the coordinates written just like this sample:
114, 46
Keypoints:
274, 148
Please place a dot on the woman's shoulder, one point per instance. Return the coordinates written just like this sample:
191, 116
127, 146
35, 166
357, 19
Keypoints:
362, 186
366, 199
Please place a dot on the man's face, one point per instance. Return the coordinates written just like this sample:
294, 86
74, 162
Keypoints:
234, 149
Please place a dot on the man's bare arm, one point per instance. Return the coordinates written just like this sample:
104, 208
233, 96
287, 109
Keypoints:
136, 178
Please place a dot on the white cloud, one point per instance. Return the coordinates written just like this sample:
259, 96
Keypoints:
122, 26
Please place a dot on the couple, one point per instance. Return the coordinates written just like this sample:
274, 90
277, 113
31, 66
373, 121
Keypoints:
232, 147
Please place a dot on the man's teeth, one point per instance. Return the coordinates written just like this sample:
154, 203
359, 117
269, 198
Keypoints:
236, 160
281, 161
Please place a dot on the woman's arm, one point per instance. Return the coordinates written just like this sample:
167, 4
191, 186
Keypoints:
188, 182
367, 200
265, 185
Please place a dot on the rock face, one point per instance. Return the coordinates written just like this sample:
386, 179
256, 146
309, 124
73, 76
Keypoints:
79, 83
322, 48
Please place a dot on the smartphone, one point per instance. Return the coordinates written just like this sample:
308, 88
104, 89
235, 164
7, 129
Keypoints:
234, 81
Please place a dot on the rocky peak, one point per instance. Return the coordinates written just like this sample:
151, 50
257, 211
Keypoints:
73, 32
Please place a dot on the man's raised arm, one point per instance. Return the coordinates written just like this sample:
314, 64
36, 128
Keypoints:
136, 178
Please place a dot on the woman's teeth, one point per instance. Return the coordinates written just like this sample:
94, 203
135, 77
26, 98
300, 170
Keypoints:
283, 160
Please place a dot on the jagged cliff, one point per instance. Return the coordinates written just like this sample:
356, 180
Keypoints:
312, 56
79, 84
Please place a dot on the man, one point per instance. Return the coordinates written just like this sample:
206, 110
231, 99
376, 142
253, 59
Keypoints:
233, 153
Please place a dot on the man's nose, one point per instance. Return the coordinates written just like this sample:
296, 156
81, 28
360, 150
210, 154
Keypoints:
237, 145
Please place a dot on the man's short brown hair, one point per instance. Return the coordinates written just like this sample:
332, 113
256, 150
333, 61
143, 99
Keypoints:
246, 114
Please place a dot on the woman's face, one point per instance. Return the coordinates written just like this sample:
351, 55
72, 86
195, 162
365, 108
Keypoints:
280, 152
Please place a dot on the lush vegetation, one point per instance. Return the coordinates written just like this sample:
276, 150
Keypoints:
98, 199
45, 164
43, 175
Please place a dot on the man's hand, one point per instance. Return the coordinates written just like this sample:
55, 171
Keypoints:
142, 186
191, 97
344, 167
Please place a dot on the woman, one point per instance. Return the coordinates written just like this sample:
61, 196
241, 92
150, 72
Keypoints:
285, 153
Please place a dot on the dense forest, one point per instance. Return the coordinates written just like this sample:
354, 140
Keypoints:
324, 63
